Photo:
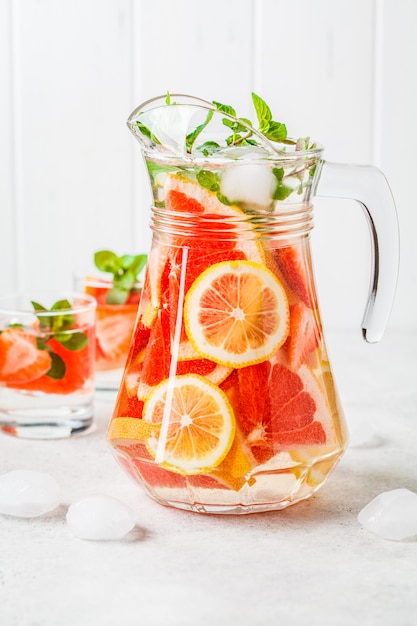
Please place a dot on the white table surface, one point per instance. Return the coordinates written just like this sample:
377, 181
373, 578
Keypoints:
309, 564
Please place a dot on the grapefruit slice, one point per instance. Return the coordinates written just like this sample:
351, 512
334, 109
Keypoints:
114, 327
292, 410
20, 359
203, 367
236, 313
79, 368
192, 424
292, 264
222, 222
304, 334
185, 195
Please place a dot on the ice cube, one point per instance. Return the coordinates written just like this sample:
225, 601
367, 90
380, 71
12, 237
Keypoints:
28, 493
251, 183
100, 517
392, 514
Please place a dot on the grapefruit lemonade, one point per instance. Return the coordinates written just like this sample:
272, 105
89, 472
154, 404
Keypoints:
116, 287
46, 364
227, 402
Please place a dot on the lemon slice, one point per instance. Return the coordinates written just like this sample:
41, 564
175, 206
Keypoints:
131, 428
236, 313
193, 425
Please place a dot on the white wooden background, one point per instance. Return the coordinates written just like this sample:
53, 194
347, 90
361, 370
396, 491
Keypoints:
71, 176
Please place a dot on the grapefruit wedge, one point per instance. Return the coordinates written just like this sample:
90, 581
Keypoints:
293, 411
20, 359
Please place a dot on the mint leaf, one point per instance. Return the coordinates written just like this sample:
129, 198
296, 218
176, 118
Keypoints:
147, 132
208, 148
223, 199
282, 191
125, 270
137, 264
58, 367
144, 130
106, 261
60, 323
276, 131
235, 126
76, 341
190, 139
41, 343
59, 305
154, 169
126, 261
37, 306
44, 320
209, 180
225, 108
245, 121
263, 112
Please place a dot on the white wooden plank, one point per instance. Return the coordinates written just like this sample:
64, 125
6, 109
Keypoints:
314, 66
192, 48
188, 47
397, 137
74, 78
8, 251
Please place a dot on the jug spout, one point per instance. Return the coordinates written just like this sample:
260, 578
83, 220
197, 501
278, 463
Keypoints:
170, 125
368, 186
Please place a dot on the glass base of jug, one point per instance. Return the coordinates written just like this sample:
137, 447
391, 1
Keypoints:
271, 492
238, 509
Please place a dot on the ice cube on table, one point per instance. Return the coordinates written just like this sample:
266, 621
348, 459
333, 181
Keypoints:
28, 493
392, 514
100, 517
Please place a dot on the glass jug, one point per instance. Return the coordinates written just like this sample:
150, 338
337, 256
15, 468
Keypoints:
227, 403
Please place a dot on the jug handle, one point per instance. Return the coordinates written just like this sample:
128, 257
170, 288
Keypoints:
368, 186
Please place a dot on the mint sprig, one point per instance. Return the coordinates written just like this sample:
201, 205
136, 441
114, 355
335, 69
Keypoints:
240, 127
58, 327
125, 270
275, 131
272, 130
211, 181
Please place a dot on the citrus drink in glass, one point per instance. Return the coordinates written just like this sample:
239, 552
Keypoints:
46, 364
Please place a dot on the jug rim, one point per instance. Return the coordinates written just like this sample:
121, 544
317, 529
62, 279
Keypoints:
187, 100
